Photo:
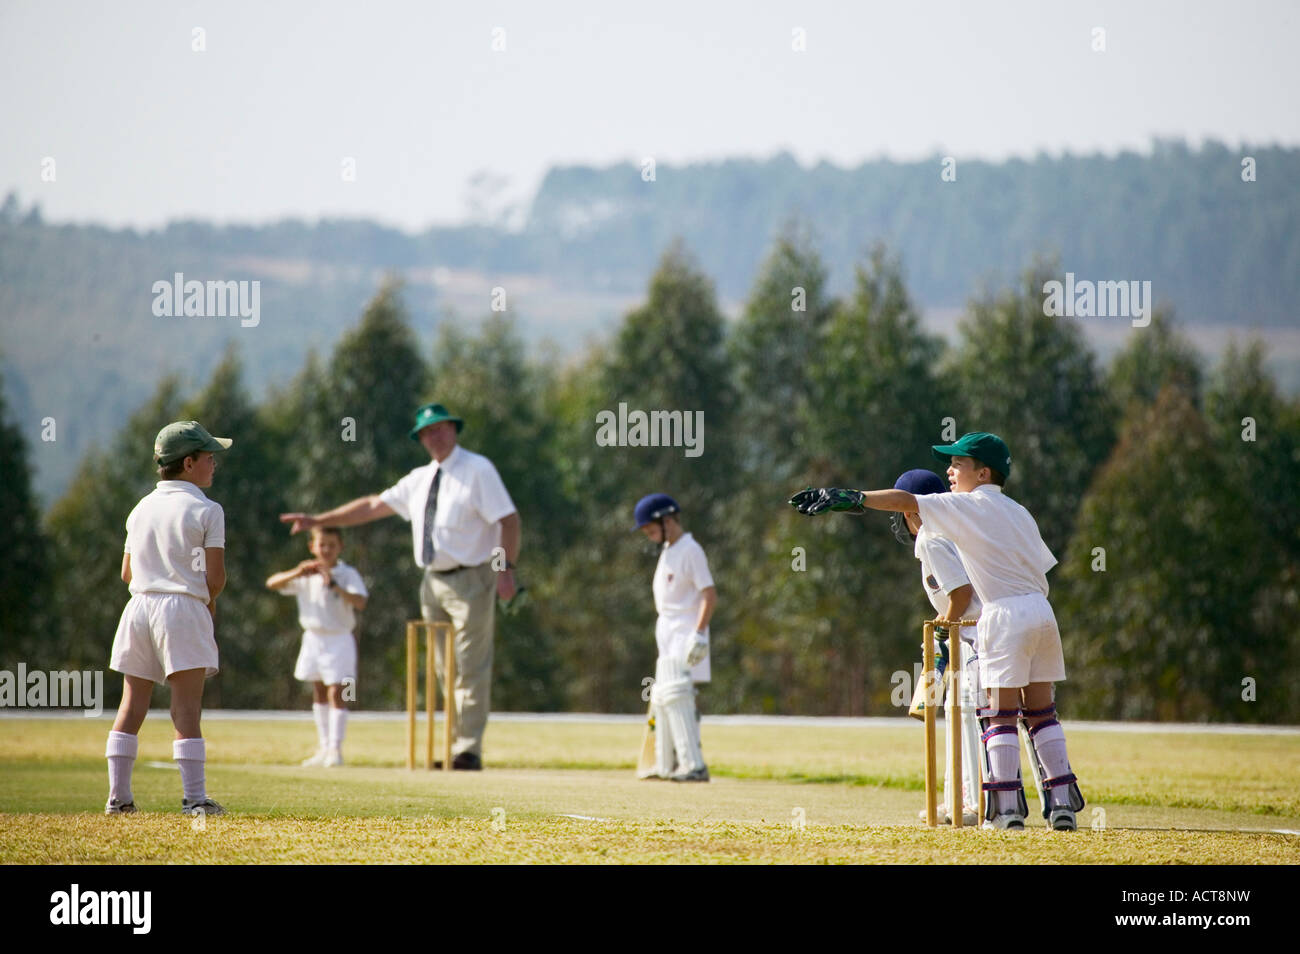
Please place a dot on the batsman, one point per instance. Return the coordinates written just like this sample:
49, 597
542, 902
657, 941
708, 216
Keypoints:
951, 594
684, 599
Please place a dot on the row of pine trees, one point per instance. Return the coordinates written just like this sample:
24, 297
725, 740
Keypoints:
1166, 489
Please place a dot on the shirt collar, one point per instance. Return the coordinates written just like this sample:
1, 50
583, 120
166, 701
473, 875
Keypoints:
181, 487
921, 537
683, 537
991, 488
450, 460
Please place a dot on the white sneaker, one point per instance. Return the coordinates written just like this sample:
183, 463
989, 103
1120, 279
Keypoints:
317, 759
1007, 821
116, 807
206, 806
333, 758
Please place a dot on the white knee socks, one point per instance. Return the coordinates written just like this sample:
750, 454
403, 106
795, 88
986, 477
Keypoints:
190, 755
120, 752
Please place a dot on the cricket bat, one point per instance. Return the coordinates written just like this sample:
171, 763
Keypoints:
646, 766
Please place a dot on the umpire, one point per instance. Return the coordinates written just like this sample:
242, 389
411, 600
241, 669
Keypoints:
459, 511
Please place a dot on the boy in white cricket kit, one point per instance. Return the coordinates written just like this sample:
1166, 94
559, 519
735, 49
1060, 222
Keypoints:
175, 566
328, 592
684, 599
1019, 643
952, 596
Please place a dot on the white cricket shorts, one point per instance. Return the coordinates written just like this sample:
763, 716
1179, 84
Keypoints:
163, 633
1019, 643
326, 658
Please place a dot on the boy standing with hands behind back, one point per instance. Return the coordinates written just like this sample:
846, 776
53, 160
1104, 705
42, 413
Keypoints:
328, 592
175, 564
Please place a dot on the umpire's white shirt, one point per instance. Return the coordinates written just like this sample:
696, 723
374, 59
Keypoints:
472, 500
998, 541
680, 576
941, 573
166, 534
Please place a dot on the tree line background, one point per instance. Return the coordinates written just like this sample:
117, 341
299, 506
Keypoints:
1143, 464
1222, 251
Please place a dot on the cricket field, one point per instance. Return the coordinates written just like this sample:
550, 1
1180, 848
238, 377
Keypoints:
562, 790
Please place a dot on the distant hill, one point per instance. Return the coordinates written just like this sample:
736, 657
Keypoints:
79, 341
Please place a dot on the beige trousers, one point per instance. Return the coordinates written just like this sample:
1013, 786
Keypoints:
467, 599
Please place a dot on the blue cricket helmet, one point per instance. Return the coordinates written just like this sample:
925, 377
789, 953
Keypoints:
917, 482
653, 507
921, 482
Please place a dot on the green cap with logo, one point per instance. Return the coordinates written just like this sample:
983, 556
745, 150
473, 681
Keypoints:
433, 414
182, 438
989, 449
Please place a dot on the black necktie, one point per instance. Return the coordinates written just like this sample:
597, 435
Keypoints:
430, 512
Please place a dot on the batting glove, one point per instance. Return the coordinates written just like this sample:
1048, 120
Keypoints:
699, 649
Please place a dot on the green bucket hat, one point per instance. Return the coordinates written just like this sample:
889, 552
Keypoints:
989, 449
433, 414
182, 438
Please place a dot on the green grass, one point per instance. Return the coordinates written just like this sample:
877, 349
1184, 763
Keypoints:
856, 791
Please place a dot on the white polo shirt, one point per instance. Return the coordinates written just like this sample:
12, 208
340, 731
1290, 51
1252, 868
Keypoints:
681, 574
996, 538
941, 573
166, 534
471, 502
320, 608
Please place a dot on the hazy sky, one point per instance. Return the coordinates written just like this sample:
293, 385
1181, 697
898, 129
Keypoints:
142, 128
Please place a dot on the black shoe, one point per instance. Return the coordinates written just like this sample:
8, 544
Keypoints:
467, 762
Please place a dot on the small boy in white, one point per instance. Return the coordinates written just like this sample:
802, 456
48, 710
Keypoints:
328, 592
174, 562
950, 593
684, 599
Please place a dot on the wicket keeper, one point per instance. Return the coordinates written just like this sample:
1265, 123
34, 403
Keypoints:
1019, 643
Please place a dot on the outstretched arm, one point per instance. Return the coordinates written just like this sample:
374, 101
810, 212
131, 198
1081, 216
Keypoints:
899, 501
813, 501
355, 512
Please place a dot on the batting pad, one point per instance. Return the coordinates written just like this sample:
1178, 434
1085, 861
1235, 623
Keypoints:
677, 732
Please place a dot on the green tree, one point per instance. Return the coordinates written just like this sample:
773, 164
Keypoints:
773, 346
1156, 357
1158, 632
668, 355
1258, 432
877, 405
24, 558
1032, 379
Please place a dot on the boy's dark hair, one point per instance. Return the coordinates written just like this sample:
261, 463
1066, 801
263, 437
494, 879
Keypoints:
175, 468
995, 476
338, 532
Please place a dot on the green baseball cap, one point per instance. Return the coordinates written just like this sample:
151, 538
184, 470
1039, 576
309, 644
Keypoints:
432, 414
182, 438
989, 449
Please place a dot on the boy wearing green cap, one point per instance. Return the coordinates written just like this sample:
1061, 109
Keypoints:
1019, 644
174, 564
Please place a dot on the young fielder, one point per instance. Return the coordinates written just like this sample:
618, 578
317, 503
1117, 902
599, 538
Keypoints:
684, 598
175, 566
328, 591
1019, 644
952, 596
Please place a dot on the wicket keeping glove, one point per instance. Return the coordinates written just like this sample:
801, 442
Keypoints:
813, 501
